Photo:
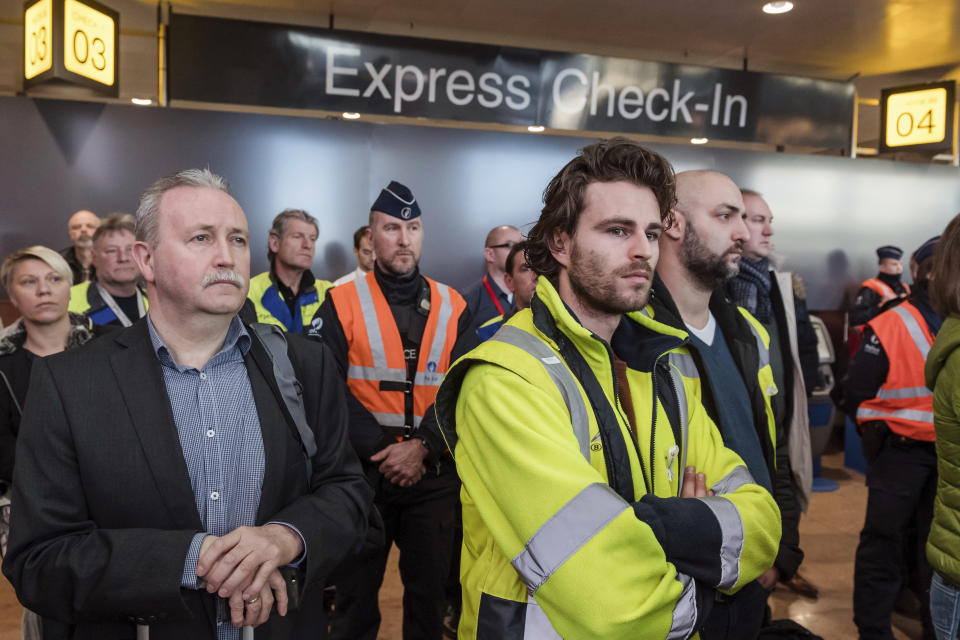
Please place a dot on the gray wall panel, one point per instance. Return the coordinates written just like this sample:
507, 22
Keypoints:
59, 156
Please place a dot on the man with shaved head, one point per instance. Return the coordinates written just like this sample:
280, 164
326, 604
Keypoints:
699, 253
490, 297
79, 255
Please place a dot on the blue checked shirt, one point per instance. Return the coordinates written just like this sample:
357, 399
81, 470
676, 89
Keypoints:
222, 444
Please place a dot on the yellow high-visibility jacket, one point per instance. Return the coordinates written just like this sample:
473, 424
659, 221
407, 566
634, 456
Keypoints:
271, 308
571, 527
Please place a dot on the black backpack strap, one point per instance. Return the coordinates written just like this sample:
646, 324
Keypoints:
275, 342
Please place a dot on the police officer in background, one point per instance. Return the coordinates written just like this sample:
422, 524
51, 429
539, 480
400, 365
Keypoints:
886, 391
288, 295
877, 291
394, 334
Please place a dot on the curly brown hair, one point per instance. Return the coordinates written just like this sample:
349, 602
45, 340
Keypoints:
614, 160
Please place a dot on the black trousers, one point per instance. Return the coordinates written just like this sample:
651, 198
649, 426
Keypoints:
902, 483
737, 617
421, 521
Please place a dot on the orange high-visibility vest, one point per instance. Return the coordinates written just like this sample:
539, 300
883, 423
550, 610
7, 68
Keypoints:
377, 370
881, 288
904, 402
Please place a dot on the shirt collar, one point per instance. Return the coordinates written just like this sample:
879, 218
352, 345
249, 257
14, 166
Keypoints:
237, 338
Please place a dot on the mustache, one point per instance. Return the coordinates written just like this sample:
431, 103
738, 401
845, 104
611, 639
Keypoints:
636, 269
223, 275
736, 247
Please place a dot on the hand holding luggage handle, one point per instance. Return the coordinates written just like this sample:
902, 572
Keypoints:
143, 633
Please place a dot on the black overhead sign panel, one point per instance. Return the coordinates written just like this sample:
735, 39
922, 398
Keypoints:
271, 65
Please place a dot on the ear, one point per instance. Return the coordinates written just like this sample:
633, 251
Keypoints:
143, 256
676, 230
508, 282
273, 242
561, 246
488, 254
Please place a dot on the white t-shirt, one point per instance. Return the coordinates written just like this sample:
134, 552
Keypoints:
709, 330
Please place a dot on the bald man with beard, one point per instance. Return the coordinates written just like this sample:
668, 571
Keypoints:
699, 253
79, 255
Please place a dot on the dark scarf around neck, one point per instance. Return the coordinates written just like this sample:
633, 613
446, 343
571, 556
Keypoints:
751, 288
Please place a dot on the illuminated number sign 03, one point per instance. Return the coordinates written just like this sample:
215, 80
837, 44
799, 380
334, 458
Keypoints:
71, 40
917, 117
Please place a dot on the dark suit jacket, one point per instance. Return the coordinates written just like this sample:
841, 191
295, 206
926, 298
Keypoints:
105, 511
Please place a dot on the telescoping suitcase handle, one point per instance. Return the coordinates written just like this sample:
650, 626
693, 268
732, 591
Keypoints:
143, 633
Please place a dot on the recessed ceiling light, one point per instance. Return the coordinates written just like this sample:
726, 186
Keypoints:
535, 128
351, 115
780, 6
143, 102
699, 140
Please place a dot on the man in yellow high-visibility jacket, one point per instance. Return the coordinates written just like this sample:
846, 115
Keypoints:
598, 498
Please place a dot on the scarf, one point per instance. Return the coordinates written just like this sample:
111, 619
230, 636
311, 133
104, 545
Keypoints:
751, 288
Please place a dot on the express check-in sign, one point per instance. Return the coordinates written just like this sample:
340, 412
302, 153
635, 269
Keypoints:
74, 41
918, 117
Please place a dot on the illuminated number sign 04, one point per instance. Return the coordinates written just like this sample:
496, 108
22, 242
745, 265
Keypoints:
917, 117
74, 41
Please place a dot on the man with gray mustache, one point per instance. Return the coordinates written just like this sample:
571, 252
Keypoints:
166, 474
699, 254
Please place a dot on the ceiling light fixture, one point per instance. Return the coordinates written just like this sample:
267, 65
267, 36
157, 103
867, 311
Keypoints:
780, 6
535, 128
699, 140
351, 115
143, 102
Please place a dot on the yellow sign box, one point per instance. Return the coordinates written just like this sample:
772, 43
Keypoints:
917, 117
37, 38
89, 42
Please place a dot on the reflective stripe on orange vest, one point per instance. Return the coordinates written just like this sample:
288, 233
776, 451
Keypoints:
903, 401
375, 348
881, 288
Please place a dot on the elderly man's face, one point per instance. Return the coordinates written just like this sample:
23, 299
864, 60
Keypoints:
113, 258
201, 263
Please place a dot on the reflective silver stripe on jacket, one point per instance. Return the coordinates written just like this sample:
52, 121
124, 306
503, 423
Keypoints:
901, 394
561, 377
903, 414
685, 612
374, 334
394, 419
376, 373
443, 322
731, 532
762, 351
729, 483
915, 331
583, 517
683, 367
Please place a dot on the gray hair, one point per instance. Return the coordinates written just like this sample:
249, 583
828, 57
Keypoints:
280, 226
150, 200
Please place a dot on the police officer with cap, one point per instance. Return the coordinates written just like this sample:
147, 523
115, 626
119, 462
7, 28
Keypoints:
885, 391
394, 333
878, 291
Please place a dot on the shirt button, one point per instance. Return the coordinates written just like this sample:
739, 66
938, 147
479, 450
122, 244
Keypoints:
211, 433
215, 495
203, 376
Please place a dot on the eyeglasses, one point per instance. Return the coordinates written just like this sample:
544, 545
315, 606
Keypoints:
503, 245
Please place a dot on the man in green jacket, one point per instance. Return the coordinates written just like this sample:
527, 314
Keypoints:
598, 498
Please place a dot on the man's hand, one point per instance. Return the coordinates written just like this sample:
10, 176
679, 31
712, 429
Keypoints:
255, 610
694, 484
243, 560
768, 579
402, 463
